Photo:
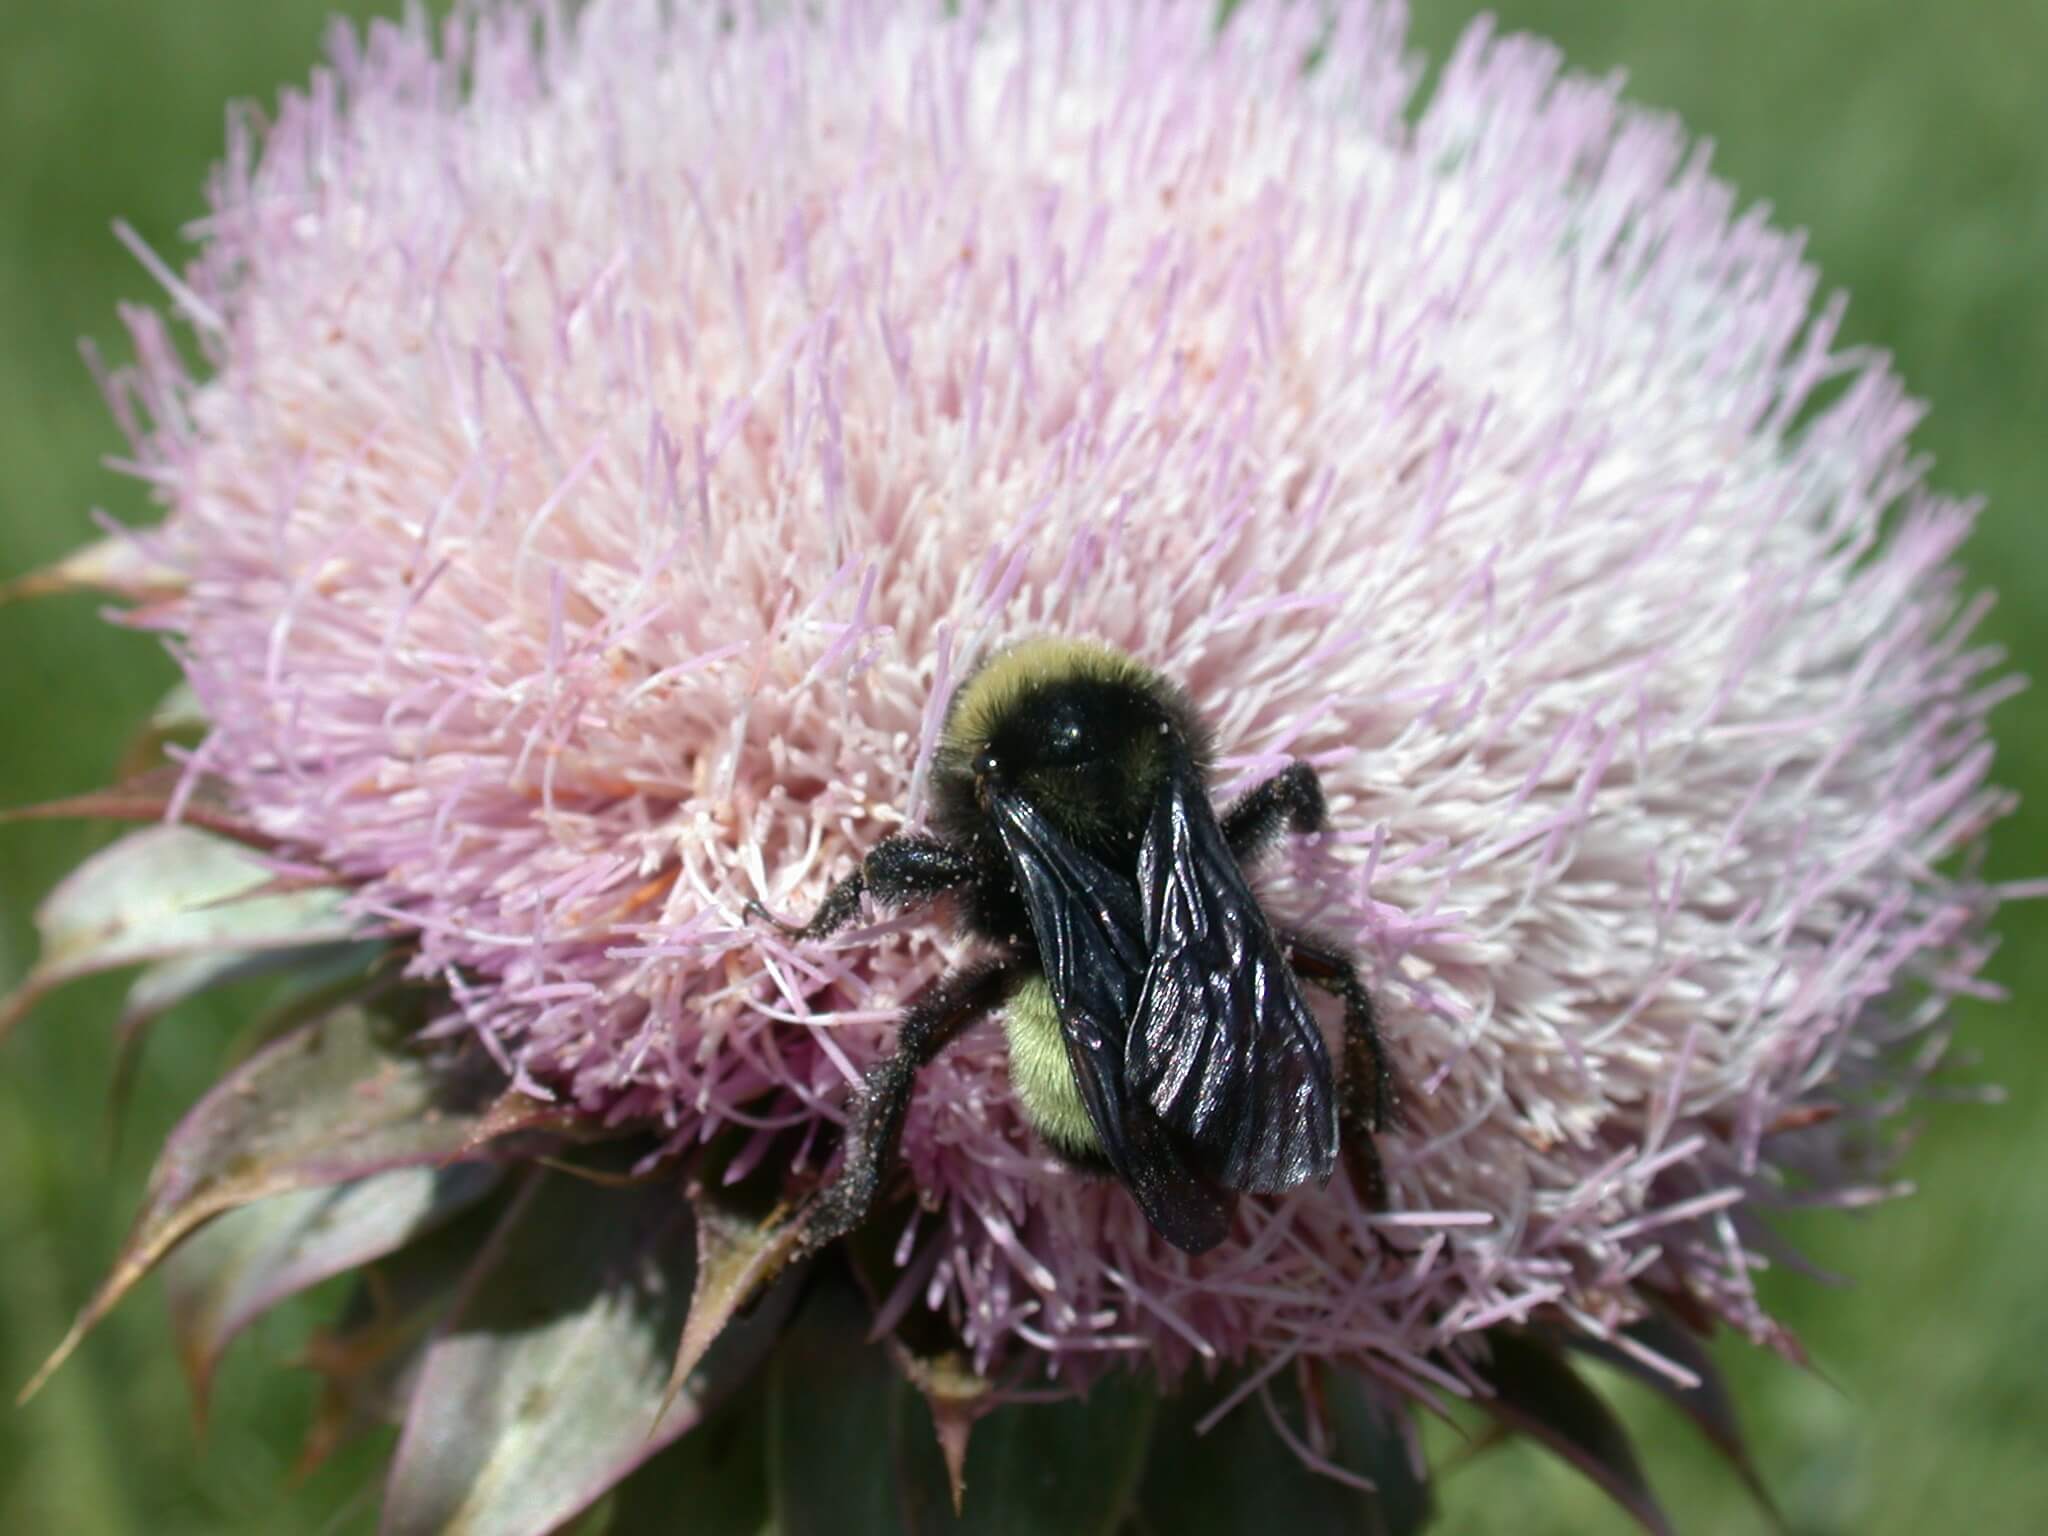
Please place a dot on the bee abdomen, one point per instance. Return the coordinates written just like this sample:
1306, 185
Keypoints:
1041, 1076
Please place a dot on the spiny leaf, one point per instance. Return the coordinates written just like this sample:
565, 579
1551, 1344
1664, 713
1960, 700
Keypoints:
514, 1113
168, 891
1537, 1393
246, 1261
205, 802
331, 1102
831, 1398
370, 1357
1071, 1467
1684, 1307
1369, 1426
740, 1251
711, 1482
1710, 1405
958, 1397
165, 984
927, 1350
1240, 1475
546, 1387
178, 716
179, 710
117, 565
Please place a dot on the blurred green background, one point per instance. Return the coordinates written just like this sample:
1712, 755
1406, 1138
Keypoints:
1912, 142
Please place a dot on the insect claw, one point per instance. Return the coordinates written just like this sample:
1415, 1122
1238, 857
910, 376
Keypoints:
754, 909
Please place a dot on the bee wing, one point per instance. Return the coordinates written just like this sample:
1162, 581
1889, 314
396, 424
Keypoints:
1088, 925
1084, 916
1221, 1043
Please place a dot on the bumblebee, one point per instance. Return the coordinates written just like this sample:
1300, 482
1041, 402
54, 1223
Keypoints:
1156, 1025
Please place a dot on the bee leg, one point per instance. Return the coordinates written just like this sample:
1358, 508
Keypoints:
875, 1127
1293, 797
897, 872
1366, 1100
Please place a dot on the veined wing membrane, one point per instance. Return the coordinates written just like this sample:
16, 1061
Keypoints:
1088, 925
1221, 1043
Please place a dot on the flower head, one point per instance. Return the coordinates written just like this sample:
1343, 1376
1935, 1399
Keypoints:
617, 437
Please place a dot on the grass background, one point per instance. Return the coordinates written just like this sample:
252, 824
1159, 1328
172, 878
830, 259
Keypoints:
1911, 142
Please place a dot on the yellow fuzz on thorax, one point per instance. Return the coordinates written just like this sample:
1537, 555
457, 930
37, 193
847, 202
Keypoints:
990, 693
1040, 1074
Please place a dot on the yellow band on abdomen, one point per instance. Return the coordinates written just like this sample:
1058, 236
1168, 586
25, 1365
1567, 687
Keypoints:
1040, 1074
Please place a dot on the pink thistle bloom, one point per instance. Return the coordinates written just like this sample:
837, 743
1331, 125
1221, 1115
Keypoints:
617, 437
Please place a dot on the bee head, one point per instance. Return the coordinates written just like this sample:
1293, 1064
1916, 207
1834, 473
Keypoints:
1083, 732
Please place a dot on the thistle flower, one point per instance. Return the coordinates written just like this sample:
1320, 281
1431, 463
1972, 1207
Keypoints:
617, 434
